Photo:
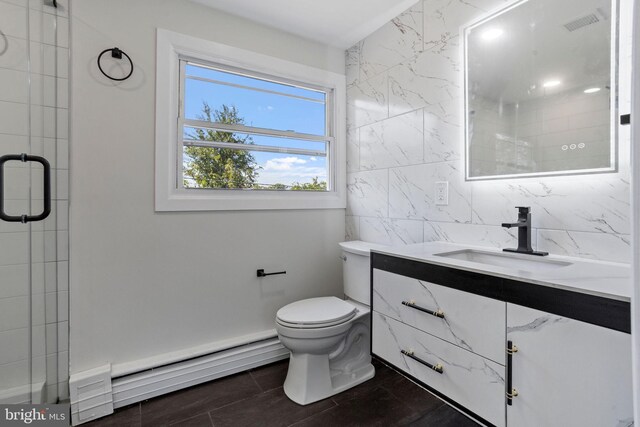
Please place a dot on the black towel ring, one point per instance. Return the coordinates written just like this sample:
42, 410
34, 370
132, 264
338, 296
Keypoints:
115, 53
5, 41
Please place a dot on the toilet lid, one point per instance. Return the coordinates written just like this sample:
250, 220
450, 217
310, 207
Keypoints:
316, 312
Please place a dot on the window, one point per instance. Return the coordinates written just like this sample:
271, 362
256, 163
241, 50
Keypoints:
243, 130
236, 129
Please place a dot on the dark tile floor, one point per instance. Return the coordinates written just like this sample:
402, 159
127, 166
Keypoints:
256, 398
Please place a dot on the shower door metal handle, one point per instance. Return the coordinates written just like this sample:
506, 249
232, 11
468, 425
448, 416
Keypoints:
47, 188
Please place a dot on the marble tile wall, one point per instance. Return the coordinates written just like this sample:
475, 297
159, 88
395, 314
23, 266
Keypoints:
404, 117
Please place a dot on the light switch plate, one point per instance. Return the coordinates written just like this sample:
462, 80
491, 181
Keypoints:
442, 193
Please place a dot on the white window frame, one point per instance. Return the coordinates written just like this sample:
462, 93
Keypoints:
169, 194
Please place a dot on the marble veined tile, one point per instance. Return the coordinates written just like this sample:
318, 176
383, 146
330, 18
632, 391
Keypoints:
368, 101
367, 193
602, 246
596, 203
396, 41
392, 142
352, 63
391, 231
353, 149
443, 18
412, 193
473, 234
352, 228
443, 137
431, 79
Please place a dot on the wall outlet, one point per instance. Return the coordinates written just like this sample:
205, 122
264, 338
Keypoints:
442, 193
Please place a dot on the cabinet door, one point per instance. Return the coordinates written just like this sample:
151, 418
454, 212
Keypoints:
470, 321
567, 373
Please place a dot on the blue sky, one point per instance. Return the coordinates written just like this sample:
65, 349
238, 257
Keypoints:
266, 110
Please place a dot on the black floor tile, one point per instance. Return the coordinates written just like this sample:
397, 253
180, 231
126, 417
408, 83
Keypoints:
256, 398
271, 376
124, 417
269, 409
412, 395
202, 420
373, 408
444, 416
187, 403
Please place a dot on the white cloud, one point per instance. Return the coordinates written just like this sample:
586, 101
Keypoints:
313, 159
290, 169
283, 163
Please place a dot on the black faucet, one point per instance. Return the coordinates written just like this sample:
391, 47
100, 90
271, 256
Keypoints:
524, 232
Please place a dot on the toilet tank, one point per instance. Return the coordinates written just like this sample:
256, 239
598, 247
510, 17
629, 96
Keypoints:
356, 270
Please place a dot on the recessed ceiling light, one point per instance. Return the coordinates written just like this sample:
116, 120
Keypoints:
551, 83
492, 33
592, 90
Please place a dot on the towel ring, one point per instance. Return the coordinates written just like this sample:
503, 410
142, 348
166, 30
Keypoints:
6, 43
115, 53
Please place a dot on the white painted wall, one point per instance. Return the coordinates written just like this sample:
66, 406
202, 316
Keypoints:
144, 283
404, 119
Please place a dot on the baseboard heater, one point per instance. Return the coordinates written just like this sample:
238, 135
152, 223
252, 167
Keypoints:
135, 387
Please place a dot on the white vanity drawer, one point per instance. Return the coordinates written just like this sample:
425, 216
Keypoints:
471, 380
470, 321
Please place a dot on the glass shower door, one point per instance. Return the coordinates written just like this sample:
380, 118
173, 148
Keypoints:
29, 210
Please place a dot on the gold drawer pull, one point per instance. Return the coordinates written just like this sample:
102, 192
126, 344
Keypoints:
438, 313
437, 367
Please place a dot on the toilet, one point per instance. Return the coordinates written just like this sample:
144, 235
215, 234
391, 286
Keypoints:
329, 337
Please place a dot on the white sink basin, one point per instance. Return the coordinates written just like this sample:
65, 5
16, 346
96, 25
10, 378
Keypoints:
504, 259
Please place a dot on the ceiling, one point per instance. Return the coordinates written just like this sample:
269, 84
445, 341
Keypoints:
338, 23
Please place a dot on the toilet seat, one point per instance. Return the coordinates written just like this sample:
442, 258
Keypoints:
319, 312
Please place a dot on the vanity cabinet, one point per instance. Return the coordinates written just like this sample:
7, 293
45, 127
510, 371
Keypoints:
449, 330
566, 372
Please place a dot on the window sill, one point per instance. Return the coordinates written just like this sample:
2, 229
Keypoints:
228, 200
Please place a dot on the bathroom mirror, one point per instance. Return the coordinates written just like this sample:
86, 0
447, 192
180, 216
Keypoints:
540, 90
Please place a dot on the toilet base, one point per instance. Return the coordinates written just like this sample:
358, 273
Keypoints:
310, 378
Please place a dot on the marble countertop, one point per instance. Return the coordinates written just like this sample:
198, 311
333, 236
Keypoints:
600, 278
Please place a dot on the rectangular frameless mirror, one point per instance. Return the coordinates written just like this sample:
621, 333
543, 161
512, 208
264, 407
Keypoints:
540, 90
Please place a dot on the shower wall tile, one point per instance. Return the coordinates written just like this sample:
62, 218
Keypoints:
15, 280
394, 42
13, 374
13, 345
13, 20
14, 118
14, 86
394, 142
15, 54
14, 313
48, 28
35, 120
392, 79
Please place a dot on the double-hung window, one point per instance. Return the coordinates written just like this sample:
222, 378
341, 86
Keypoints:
244, 130
246, 137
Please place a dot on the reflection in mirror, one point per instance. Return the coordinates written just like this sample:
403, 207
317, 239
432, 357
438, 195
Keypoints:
539, 94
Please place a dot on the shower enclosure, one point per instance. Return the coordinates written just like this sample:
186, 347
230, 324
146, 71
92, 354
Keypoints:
34, 54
